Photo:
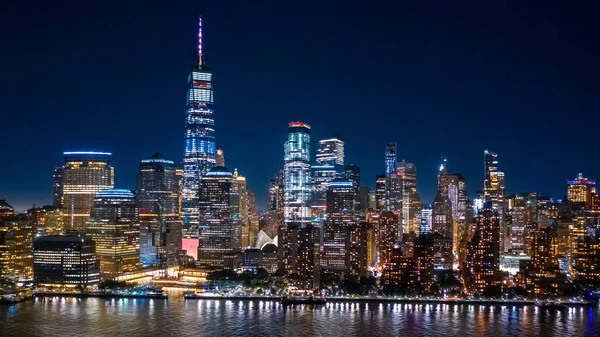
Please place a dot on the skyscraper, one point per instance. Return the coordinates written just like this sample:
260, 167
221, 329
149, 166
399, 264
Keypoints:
297, 178
57, 187
494, 191
200, 151
330, 164
443, 228
114, 226
219, 232
581, 190
331, 151
483, 253
158, 202
411, 201
340, 219
390, 174
84, 175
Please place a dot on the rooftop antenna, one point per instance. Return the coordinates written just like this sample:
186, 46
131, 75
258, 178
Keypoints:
200, 42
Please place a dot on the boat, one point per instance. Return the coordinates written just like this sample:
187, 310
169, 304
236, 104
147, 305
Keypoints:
550, 305
300, 300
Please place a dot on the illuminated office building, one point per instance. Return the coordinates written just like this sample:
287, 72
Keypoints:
411, 200
114, 226
200, 151
322, 175
219, 234
585, 254
457, 194
426, 219
47, 220
380, 191
158, 202
442, 223
58, 187
16, 237
340, 219
84, 175
331, 151
494, 191
297, 175
390, 172
68, 261
581, 190
275, 206
352, 174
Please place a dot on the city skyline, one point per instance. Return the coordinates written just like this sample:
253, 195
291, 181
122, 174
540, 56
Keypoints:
31, 179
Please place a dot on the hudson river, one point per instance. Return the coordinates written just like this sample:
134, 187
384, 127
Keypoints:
177, 317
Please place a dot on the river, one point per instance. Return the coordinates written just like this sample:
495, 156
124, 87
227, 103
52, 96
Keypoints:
177, 317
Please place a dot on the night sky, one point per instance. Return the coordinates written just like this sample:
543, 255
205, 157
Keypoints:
441, 78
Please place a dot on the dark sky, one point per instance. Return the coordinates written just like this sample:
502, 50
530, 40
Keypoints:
442, 78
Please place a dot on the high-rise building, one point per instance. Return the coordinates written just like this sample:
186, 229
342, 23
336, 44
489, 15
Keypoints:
47, 220
459, 200
340, 219
544, 263
411, 200
483, 252
16, 237
387, 236
68, 261
380, 191
331, 151
426, 220
220, 160
158, 202
392, 184
114, 226
297, 177
352, 174
494, 191
220, 234
275, 206
299, 254
57, 187
84, 175
361, 252
442, 223
200, 151
585, 254
240, 205
581, 190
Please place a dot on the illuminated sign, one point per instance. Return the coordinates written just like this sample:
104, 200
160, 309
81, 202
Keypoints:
201, 84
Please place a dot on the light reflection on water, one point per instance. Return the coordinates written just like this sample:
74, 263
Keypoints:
55, 316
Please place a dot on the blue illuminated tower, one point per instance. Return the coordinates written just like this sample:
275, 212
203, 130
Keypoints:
200, 152
297, 177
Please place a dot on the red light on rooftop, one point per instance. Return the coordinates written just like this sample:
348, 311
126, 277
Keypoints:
299, 124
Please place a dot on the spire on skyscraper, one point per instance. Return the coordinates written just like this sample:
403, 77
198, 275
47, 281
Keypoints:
200, 42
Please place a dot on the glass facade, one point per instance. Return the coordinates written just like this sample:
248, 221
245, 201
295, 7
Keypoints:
158, 202
494, 191
200, 151
114, 226
65, 261
297, 175
84, 175
219, 234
